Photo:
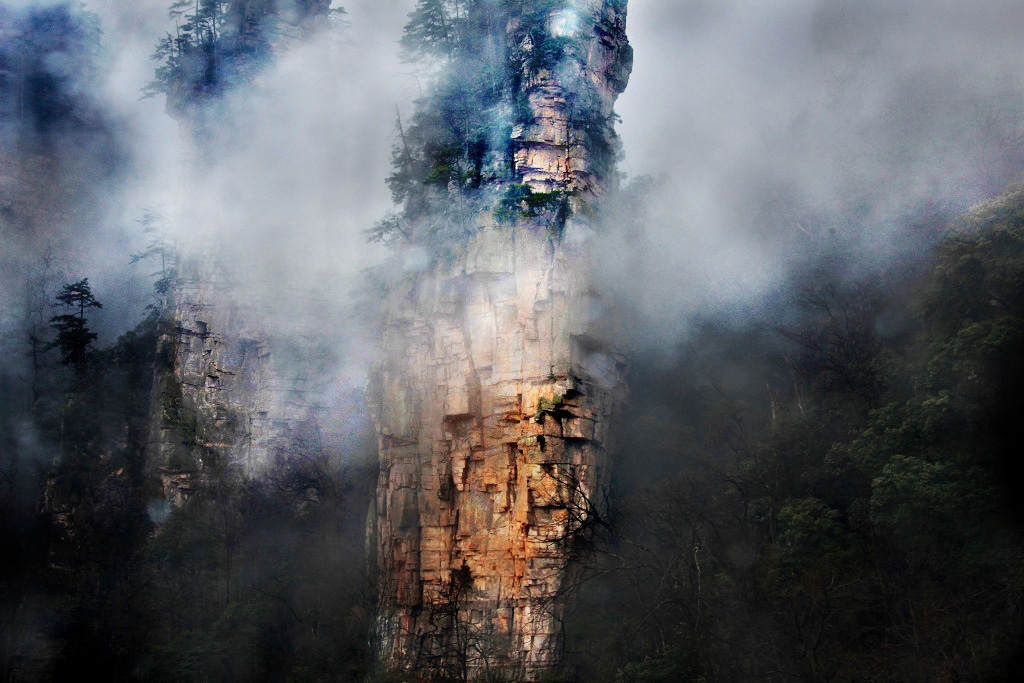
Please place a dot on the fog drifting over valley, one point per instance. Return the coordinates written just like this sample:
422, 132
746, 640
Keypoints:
771, 127
778, 125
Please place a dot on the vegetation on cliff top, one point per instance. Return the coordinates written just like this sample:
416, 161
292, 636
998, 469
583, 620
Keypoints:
479, 60
220, 44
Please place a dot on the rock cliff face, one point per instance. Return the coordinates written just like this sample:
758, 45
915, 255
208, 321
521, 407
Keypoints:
231, 391
560, 148
495, 388
213, 397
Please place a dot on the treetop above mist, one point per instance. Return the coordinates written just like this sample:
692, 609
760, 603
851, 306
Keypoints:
500, 76
220, 44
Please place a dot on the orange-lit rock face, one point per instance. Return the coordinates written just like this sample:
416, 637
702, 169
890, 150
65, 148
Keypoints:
558, 151
496, 385
494, 403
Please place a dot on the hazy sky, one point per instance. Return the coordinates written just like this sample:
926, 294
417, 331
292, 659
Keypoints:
773, 122
781, 120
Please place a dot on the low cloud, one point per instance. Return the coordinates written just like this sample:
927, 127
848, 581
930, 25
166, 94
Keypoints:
776, 126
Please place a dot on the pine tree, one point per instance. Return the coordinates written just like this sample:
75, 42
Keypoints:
429, 34
219, 44
73, 336
153, 224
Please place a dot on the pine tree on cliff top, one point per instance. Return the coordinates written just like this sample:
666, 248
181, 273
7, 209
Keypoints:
219, 44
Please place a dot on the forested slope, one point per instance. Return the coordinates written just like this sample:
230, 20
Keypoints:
838, 491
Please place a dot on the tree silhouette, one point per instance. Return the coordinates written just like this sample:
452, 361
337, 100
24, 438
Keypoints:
73, 337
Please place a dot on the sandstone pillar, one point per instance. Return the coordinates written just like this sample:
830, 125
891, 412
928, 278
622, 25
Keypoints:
496, 383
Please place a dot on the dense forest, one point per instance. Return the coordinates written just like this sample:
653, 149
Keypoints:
837, 491
819, 485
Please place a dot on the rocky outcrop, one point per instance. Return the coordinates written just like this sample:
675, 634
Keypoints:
496, 384
569, 143
231, 392
493, 401
212, 399
236, 388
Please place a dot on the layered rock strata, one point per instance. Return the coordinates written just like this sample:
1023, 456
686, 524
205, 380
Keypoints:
495, 399
496, 385
560, 148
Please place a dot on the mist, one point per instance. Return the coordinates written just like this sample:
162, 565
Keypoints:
762, 144
289, 176
778, 129
771, 129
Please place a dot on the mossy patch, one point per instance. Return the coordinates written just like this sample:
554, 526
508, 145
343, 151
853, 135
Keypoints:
521, 201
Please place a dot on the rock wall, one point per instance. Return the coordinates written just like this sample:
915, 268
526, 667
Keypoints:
559, 149
231, 391
493, 402
239, 383
496, 385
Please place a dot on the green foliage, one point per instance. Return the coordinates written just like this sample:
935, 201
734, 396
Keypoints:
980, 270
521, 201
219, 44
810, 533
922, 502
925, 424
839, 500
482, 58
545, 406
432, 31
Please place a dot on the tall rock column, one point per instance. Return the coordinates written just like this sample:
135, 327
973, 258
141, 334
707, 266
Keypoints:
496, 385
